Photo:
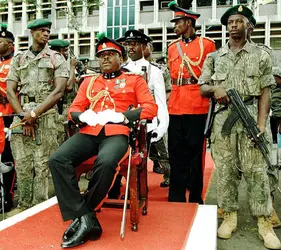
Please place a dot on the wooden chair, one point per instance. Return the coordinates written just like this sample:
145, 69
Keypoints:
138, 187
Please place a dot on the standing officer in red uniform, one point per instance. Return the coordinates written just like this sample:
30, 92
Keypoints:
6, 53
101, 107
187, 109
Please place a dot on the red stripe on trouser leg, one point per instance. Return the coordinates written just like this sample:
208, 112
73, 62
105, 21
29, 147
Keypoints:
117, 172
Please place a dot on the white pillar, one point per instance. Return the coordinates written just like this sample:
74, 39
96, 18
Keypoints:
76, 51
164, 42
137, 12
235, 2
92, 46
103, 17
156, 11
223, 41
10, 16
267, 32
278, 7
24, 17
54, 15
194, 6
214, 9
84, 15
38, 9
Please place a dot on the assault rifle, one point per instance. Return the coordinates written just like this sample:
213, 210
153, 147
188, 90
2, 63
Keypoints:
249, 123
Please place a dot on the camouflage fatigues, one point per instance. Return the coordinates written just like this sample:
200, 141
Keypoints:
272, 172
34, 76
248, 71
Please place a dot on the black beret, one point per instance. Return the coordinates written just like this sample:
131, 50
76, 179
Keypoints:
5, 33
237, 9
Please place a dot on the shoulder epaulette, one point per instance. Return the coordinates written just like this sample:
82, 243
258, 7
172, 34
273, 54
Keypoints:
265, 47
19, 53
208, 38
155, 64
174, 42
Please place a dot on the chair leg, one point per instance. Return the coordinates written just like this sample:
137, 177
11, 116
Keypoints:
134, 211
143, 186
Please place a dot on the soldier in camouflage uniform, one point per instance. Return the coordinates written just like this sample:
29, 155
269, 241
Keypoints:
62, 46
248, 69
158, 150
39, 75
273, 171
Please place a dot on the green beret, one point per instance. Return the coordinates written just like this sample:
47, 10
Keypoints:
59, 43
83, 59
237, 9
39, 23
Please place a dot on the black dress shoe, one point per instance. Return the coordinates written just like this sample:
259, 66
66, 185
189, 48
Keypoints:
164, 184
70, 231
89, 229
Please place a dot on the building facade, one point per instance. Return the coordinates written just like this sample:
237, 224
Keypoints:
80, 21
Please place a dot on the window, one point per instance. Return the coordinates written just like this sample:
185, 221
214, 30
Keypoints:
124, 15
163, 4
146, 5
109, 16
17, 17
46, 14
23, 43
117, 16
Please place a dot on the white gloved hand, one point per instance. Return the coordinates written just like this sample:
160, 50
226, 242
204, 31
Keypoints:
158, 137
109, 115
90, 117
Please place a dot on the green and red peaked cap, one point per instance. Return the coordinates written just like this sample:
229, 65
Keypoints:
105, 44
4, 33
181, 13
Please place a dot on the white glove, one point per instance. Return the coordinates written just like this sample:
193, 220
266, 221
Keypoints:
109, 115
90, 117
159, 135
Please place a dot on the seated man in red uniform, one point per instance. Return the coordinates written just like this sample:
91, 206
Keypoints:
101, 110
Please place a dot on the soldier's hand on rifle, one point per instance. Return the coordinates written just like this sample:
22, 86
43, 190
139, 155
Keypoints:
262, 130
29, 117
28, 130
220, 95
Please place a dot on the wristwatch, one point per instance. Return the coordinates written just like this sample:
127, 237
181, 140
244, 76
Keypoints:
32, 114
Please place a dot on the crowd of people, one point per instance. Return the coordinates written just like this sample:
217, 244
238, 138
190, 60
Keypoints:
42, 87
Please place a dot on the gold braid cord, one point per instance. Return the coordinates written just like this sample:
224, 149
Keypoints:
190, 63
102, 94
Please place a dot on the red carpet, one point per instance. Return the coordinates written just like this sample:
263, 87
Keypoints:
165, 227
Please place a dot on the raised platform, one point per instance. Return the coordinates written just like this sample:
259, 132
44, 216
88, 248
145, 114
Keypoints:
167, 225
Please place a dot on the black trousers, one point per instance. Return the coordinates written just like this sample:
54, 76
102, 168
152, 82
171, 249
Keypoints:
80, 147
185, 146
7, 157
